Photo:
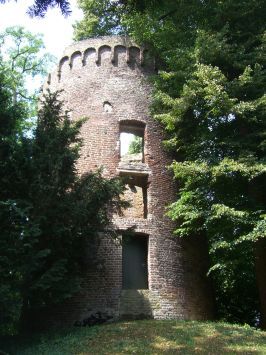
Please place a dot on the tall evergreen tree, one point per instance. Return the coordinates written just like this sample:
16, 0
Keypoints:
48, 213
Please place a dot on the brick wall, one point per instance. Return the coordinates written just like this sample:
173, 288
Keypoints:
106, 80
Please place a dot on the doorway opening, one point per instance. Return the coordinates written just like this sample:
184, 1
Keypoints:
135, 261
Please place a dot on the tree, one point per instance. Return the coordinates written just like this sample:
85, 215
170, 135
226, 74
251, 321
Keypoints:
135, 145
210, 98
69, 209
23, 58
48, 214
12, 213
100, 18
18, 61
40, 7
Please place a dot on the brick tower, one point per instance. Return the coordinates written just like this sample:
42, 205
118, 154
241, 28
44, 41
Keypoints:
148, 272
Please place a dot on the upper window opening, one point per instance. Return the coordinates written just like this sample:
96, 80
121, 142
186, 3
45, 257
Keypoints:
132, 142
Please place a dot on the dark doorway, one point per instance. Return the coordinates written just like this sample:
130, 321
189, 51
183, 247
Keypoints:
135, 262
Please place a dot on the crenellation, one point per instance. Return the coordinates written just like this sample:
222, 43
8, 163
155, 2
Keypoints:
63, 67
104, 55
120, 55
116, 55
89, 56
77, 57
134, 55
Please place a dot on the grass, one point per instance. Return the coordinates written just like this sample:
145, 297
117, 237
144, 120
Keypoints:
145, 337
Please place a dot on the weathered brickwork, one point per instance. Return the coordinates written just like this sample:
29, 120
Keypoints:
106, 80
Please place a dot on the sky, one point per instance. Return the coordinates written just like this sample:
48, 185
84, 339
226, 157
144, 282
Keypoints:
57, 30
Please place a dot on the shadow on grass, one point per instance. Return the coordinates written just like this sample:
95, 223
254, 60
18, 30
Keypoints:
148, 337
191, 337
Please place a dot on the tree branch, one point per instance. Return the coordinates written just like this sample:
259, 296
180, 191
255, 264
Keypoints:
167, 14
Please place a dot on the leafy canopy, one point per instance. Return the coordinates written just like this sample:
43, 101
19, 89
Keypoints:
22, 59
210, 97
135, 145
49, 214
40, 7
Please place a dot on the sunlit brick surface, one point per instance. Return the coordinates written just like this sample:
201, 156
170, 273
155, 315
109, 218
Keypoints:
106, 80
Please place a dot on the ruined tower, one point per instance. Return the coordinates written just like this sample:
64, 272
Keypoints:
149, 272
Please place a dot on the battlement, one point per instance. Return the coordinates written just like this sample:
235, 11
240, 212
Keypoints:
115, 51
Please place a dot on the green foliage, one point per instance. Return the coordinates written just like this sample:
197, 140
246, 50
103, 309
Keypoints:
100, 18
69, 209
15, 230
135, 145
23, 58
12, 213
210, 97
214, 115
39, 7
219, 201
48, 214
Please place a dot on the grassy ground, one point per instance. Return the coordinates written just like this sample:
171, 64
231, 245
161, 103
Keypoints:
145, 337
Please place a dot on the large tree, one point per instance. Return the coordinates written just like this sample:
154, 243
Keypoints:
49, 214
19, 60
11, 215
210, 99
23, 60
